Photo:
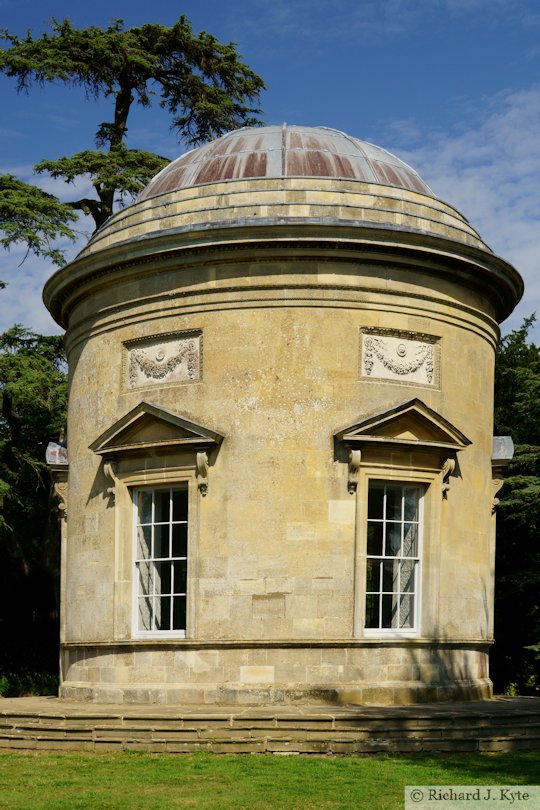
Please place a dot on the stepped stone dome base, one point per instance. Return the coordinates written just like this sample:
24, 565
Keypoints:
40, 724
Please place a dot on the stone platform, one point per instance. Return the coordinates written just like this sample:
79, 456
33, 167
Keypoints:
47, 723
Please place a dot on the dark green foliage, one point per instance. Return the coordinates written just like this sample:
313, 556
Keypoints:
517, 594
200, 81
517, 387
20, 684
31, 216
117, 174
33, 394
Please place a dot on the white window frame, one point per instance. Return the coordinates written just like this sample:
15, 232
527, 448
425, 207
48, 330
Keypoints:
136, 492
385, 484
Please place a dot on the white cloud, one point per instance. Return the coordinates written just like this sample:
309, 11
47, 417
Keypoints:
489, 168
21, 300
25, 275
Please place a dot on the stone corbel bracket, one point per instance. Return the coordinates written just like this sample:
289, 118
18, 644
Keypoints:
447, 470
109, 469
501, 456
355, 459
56, 458
60, 491
496, 483
202, 472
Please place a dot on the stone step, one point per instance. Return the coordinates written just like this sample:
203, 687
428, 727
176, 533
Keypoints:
49, 724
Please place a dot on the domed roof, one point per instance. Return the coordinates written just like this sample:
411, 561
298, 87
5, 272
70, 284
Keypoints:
278, 192
285, 151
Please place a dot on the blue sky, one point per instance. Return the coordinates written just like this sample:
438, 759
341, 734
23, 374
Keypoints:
450, 86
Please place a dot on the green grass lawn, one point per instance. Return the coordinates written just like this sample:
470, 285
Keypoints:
218, 782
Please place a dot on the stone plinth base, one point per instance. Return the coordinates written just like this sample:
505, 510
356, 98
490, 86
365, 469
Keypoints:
394, 672
240, 695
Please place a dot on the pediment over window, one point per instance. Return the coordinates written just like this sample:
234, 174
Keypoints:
410, 423
148, 427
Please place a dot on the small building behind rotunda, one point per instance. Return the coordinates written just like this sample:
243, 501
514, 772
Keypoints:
281, 475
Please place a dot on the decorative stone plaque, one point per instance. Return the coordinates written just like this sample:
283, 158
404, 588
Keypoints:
400, 356
164, 360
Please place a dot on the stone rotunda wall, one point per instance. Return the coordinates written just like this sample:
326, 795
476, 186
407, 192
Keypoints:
283, 352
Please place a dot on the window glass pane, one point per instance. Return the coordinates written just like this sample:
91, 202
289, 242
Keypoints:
144, 542
163, 622
146, 578
163, 500
160, 549
408, 569
180, 576
145, 613
375, 501
389, 610
179, 613
372, 610
179, 540
375, 539
410, 540
161, 541
393, 503
144, 506
157, 613
163, 577
406, 612
411, 497
373, 575
393, 539
390, 576
393, 543
180, 504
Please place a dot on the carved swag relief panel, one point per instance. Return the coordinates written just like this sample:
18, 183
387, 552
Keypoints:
400, 357
167, 359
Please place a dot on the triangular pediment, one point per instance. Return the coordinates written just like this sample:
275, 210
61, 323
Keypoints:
409, 423
148, 426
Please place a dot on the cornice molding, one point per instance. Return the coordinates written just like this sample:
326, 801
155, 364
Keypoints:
271, 241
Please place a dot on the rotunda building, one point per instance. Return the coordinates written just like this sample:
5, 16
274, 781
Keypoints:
281, 475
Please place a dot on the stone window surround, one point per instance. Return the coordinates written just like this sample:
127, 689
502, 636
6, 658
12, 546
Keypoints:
125, 568
152, 447
413, 444
426, 605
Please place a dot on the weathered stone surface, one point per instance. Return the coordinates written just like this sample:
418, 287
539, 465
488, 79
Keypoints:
498, 725
253, 320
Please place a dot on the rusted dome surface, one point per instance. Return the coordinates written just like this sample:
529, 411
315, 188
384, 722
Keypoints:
285, 151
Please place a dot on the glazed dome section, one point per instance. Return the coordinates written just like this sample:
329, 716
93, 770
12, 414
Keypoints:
278, 177
285, 151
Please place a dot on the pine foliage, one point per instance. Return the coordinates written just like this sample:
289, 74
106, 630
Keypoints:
33, 396
33, 217
202, 83
517, 594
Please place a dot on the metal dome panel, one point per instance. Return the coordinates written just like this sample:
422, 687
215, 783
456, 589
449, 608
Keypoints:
285, 151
